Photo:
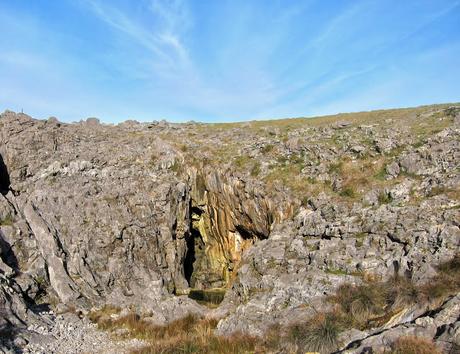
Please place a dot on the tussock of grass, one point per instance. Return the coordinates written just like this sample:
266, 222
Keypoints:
413, 345
384, 198
360, 303
349, 192
267, 148
255, 170
320, 334
446, 283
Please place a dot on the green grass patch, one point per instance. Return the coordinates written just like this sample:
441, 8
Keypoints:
8, 220
336, 167
348, 192
267, 148
255, 170
384, 198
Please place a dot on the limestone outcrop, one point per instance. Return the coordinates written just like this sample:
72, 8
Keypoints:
228, 216
278, 215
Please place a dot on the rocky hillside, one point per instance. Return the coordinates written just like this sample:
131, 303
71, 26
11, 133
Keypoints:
282, 216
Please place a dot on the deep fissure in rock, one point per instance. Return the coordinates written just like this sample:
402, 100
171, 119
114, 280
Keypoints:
195, 248
4, 177
195, 254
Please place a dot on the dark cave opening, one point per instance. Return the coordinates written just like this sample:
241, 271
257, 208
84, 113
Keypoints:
195, 247
245, 234
190, 256
214, 245
4, 177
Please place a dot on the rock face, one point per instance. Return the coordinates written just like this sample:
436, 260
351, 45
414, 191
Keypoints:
280, 216
228, 216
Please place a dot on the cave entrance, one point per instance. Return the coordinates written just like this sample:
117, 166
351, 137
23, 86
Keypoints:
4, 177
214, 248
195, 257
195, 249
207, 286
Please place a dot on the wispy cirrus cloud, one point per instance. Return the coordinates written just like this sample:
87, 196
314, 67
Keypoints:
164, 42
225, 60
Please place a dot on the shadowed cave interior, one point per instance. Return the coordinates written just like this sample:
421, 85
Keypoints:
4, 177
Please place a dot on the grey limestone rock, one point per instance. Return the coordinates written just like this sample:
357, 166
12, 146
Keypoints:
137, 214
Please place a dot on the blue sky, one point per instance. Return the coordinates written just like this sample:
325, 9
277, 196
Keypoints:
211, 61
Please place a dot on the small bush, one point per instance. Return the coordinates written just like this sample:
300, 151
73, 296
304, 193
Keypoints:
177, 167
305, 201
446, 282
451, 267
381, 173
413, 345
242, 160
437, 191
360, 237
402, 292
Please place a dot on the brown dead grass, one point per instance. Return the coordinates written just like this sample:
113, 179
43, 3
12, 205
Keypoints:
414, 345
190, 334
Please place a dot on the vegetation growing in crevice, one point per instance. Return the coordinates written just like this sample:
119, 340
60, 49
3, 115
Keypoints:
7, 220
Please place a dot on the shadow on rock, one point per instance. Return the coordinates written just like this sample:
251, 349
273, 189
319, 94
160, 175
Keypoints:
9, 337
6, 253
4, 177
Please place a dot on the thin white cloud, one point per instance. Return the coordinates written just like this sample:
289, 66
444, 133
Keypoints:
165, 45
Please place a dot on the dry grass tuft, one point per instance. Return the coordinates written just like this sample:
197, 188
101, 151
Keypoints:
360, 303
413, 345
319, 334
190, 334
446, 283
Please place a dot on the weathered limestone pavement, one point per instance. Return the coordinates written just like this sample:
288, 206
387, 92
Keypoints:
136, 214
